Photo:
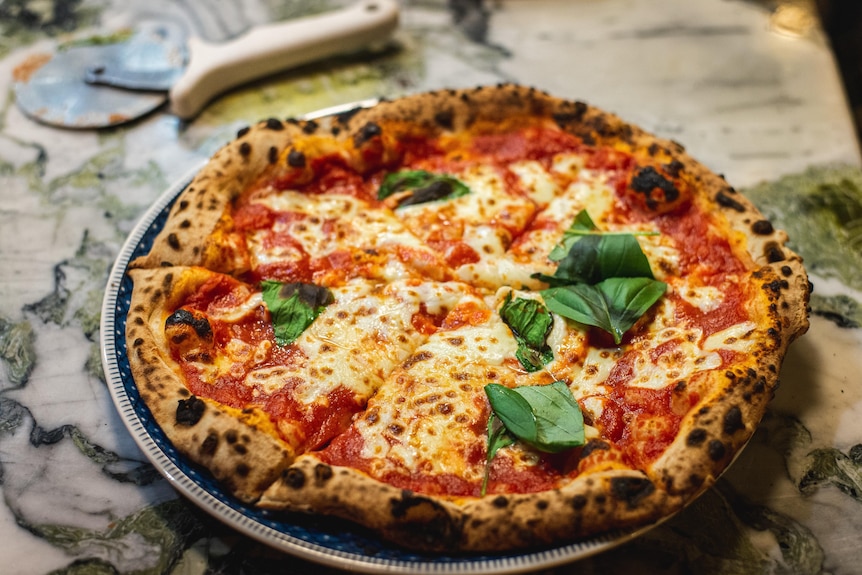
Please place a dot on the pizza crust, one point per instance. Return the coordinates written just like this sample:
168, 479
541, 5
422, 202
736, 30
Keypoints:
236, 446
586, 506
731, 403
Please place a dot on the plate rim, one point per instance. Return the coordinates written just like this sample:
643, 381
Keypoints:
515, 562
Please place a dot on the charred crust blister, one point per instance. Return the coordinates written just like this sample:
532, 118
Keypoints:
322, 474
762, 228
647, 181
368, 132
696, 437
293, 478
209, 445
200, 325
296, 159
631, 490
733, 420
274, 124
724, 200
190, 411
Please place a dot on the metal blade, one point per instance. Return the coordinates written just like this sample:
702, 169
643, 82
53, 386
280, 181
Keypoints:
55, 93
152, 59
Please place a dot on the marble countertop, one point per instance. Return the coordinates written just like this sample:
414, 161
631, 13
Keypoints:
749, 87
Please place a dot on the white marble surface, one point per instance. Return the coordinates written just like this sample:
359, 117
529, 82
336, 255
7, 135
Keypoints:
714, 75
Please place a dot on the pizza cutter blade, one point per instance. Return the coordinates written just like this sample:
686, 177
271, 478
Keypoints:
106, 85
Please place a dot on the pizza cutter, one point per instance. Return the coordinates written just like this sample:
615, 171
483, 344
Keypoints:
94, 86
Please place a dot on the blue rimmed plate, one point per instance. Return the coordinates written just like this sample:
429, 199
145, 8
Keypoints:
327, 541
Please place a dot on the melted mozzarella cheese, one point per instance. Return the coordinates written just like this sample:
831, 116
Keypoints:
563, 200
430, 412
358, 339
484, 220
328, 223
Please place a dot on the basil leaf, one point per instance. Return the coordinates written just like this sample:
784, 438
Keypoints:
559, 421
582, 223
530, 323
545, 417
498, 438
589, 255
514, 411
613, 305
293, 307
621, 256
423, 186
582, 263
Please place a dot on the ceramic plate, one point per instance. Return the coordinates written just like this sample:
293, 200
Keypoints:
328, 541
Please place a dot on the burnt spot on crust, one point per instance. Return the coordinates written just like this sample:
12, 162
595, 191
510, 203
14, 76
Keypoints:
245, 149
242, 132
322, 474
445, 119
647, 181
733, 420
762, 227
209, 445
190, 411
174, 242
573, 114
632, 490
696, 437
296, 159
724, 200
773, 252
579, 502
273, 155
367, 132
310, 127
293, 477
500, 501
274, 124
716, 450
183, 317
423, 522
242, 470
674, 168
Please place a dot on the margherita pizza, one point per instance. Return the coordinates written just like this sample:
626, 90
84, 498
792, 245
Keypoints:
473, 320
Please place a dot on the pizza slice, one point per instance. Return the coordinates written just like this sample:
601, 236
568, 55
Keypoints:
290, 364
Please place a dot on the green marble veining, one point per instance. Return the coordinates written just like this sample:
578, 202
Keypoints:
16, 350
23, 21
162, 530
821, 210
830, 466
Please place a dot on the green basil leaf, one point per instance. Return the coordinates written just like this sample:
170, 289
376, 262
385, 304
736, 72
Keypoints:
559, 421
588, 255
545, 417
293, 307
530, 323
613, 305
621, 256
582, 262
423, 186
582, 224
498, 438
514, 411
